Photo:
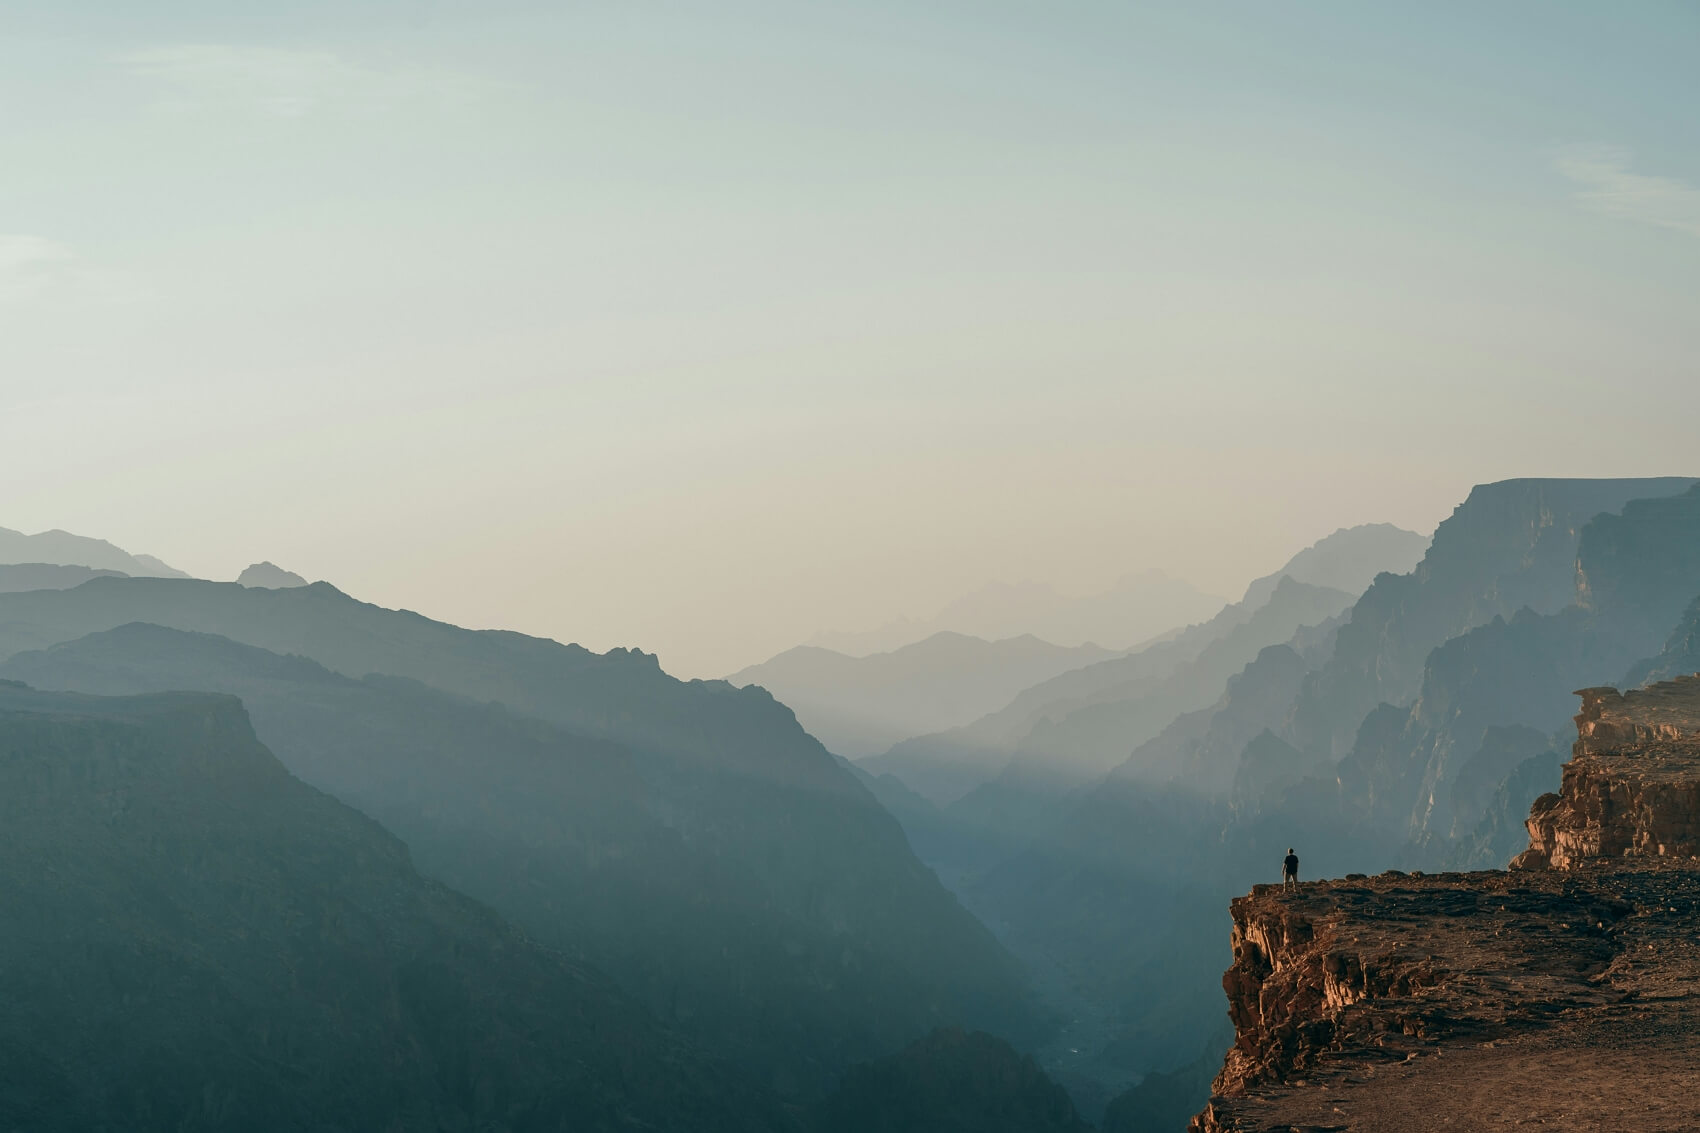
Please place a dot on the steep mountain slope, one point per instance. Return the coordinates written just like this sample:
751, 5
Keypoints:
1107, 895
1085, 743
944, 766
947, 765
859, 706
1509, 545
780, 917
195, 940
1635, 574
1201, 750
1349, 560
1680, 655
64, 548
952, 1081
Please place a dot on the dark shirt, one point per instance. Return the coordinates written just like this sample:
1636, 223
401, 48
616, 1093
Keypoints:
1292, 864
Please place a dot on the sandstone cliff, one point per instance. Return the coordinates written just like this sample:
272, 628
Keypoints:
1632, 788
1565, 993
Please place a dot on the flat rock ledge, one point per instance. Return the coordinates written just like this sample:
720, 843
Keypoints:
1564, 994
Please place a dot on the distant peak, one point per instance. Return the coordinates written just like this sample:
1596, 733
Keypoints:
270, 576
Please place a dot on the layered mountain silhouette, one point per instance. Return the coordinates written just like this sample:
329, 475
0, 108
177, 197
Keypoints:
1093, 716
686, 869
688, 837
1412, 730
1070, 730
48, 576
1136, 609
194, 939
65, 549
860, 706
1349, 560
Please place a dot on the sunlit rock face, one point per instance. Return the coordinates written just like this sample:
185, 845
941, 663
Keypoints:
1564, 993
1632, 788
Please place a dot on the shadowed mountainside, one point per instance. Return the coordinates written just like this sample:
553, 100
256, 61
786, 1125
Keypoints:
1349, 560
1118, 896
952, 1081
1510, 545
196, 940
766, 904
945, 766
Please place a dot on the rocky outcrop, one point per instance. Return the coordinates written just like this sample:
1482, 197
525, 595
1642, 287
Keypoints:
1632, 788
1408, 1002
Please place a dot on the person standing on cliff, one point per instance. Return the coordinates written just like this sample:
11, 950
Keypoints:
1290, 870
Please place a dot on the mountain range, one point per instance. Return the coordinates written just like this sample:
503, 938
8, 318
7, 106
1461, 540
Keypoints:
260, 838
196, 940
687, 837
61, 548
860, 706
1137, 608
1082, 722
1407, 732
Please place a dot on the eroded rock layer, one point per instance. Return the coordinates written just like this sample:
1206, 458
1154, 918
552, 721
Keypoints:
1466, 1001
1632, 787
1565, 993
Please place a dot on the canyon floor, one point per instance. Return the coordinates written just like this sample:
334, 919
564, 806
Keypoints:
1557, 999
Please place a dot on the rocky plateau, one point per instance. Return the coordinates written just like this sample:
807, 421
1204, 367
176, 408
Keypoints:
1564, 993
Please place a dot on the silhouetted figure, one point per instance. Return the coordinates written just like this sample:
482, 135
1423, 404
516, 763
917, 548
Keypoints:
1290, 870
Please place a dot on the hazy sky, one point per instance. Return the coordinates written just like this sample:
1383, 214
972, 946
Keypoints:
703, 327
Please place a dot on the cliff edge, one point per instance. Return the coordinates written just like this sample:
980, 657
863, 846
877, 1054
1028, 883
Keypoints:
1564, 993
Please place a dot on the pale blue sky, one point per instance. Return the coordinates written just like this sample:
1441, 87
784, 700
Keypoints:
703, 328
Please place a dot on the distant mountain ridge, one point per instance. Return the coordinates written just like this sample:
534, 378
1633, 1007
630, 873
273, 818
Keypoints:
1137, 608
271, 576
65, 549
946, 765
1348, 560
48, 576
793, 926
859, 706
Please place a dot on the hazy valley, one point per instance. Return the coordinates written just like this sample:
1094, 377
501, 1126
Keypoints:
742, 928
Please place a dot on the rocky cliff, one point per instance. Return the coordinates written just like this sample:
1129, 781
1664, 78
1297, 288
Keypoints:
1632, 788
1475, 1000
